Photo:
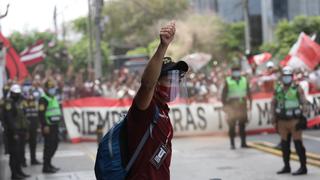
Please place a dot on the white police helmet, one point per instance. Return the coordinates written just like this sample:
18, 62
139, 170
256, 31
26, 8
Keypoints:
287, 71
15, 88
270, 64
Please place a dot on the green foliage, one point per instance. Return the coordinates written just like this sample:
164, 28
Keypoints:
56, 56
287, 34
62, 54
138, 51
130, 21
20, 41
80, 53
233, 37
149, 50
80, 25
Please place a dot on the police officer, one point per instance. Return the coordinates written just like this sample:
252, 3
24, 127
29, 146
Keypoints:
6, 90
32, 115
16, 125
50, 116
235, 95
288, 107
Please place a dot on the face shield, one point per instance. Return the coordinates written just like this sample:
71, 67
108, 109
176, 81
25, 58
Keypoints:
172, 87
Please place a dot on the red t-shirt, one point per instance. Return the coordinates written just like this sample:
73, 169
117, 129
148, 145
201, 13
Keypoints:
138, 122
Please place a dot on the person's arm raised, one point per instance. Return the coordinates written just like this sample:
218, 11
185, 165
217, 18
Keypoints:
152, 71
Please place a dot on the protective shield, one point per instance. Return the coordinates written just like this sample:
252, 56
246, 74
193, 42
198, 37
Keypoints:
172, 86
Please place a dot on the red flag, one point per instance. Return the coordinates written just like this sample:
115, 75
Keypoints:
33, 54
259, 59
304, 53
13, 63
285, 61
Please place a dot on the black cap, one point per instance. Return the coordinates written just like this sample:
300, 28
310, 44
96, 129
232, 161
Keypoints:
169, 65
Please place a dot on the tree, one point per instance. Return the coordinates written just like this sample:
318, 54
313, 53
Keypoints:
62, 54
287, 34
56, 56
233, 39
80, 49
222, 40
80, 53
131, 23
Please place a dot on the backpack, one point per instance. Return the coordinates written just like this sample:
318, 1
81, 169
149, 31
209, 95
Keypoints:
111, 156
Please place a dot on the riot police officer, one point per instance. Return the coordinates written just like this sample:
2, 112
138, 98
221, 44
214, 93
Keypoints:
288, 106
235, 94
50, 116
16, 125
5, 90
32, 115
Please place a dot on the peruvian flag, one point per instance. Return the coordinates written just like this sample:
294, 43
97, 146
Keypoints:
259, 59
33, 54
305, 53
16, 69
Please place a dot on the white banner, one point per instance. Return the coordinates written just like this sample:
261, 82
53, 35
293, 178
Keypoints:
83, 115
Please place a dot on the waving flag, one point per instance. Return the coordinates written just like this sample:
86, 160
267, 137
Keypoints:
14, 65
33, 54
259, 59
304, 53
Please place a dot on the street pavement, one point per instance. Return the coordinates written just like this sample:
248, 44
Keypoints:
196, 158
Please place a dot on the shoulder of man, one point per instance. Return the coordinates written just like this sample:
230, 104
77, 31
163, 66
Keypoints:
135, 112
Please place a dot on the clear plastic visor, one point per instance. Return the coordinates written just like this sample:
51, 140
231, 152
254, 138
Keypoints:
172, 86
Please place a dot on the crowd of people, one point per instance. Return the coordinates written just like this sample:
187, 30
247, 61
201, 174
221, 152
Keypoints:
201, 86
38, 100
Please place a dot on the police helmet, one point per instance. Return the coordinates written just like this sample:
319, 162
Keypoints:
270, 64
287, 71
15, 88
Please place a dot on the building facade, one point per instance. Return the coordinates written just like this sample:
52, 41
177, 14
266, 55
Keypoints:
264, 14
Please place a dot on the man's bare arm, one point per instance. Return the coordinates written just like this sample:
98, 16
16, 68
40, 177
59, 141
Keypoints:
152, 71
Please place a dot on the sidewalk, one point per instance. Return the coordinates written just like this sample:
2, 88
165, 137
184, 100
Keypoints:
210, 158
193, 159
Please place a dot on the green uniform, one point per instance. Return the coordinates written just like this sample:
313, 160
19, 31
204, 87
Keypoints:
50, 115
287, 103
236, 90
234, 98
53, 114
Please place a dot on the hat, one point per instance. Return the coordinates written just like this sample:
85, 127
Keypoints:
287, 70
169, 65
15, 88
270, 64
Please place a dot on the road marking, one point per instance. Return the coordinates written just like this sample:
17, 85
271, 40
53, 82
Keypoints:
89, 153
309, 154
311, 137
313, 159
